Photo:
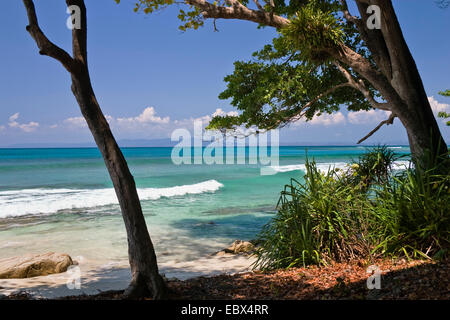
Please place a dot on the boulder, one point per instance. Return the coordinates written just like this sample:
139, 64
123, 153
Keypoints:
34, 265
237, 247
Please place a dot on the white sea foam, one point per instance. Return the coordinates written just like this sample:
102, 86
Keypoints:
45, 201
397, 165
401, 165
301, 167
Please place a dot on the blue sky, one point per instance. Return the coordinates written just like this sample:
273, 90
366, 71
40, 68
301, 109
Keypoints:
150, 78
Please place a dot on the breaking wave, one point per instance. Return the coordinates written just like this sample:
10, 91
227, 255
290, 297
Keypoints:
44, 201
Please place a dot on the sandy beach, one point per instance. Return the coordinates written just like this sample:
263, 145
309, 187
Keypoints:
96, 279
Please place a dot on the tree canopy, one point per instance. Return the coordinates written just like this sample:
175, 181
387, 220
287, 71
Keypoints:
324, 57
295, 76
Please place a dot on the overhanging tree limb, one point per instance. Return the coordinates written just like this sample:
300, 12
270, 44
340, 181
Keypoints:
379, 56
260, 7
238, 11
359, 85
388, 121
300, 113
340, 53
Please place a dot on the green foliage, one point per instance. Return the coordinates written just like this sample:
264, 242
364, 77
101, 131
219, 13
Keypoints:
330, 217
373, 167
419, 203
443, 114
286, 81
313, 31
321, 220
191, 18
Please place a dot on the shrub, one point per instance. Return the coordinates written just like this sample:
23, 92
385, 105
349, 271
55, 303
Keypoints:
373, 167
419, 202
318, 221
363, 211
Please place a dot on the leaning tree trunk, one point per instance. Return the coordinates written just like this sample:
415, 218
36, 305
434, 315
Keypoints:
144, 267
424, 135
141, 253
427, 145
400, 84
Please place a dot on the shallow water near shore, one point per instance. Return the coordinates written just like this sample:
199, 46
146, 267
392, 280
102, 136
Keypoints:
62, 200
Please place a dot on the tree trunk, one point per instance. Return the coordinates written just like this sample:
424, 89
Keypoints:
416, 115
144, 268
141, 254
399, 82
428, 147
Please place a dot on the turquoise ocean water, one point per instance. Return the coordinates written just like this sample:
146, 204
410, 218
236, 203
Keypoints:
62, 200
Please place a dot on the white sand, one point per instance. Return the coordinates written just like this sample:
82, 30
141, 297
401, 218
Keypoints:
96, 279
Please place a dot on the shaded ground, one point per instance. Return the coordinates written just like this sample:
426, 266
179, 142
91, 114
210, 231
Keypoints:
399, 280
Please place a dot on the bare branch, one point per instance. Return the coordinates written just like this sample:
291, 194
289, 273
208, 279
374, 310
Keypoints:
387, 122
347, 14
300, 113
238, 11
260, 7
46, 47
360, 86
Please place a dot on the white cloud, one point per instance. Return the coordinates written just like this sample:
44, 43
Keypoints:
2, 128
77, 122
367, 117
80, 122
146, 117
26, 127
328, 119
14, 117
220, 112
437, 106
204, 119
137, 125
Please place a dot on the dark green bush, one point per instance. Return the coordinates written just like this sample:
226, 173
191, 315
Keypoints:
367, 210
320, 220
419, 203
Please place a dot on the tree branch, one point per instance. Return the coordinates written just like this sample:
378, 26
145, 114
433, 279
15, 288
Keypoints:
79, 36
238, 11
260, 7
379, 81
300, 113
360, 86
347, 14
387, 122
341, 53
46, 47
